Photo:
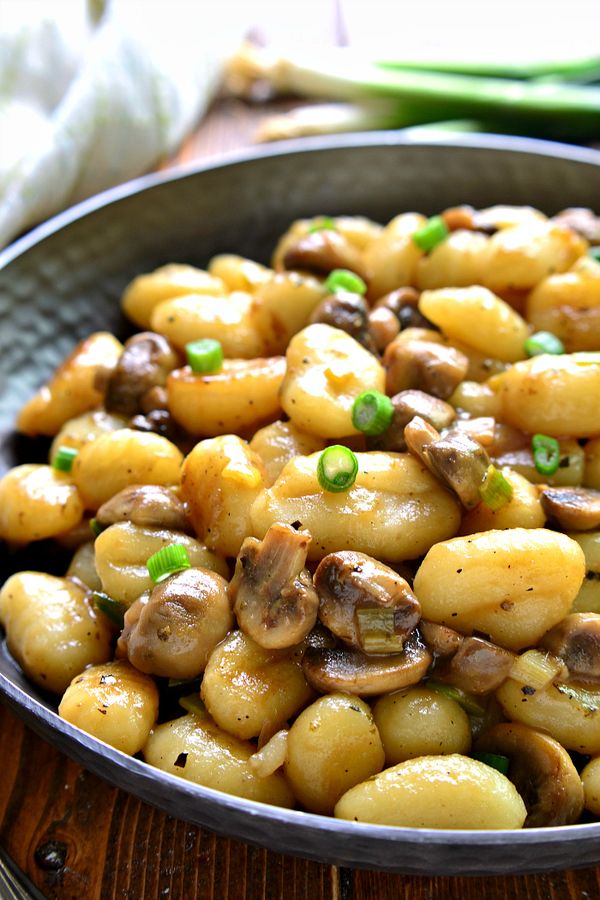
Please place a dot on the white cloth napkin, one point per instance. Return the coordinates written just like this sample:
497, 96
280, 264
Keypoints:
85, 105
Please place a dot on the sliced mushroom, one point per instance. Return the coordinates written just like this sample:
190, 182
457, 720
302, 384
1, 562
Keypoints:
145, 363
147, 505
365, 603
354, 672
541, 770
407, 405
383, 327
573, 508
433, 368
577, 641
348, 312
443, 641
404, 303
459, 461
175, 631
478, 666
322, 251
274, 598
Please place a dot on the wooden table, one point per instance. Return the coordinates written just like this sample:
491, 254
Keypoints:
74, 836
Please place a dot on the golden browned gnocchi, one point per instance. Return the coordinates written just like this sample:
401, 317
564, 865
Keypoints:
344, 511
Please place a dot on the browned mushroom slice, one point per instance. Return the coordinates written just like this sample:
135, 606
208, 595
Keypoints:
478, 666
541, 770
322, 251
364, 602
174, 632
404, 303
348, 312
459, 461
354, 672
274, 599
433, 368
443, 641
147, 505
576, 509
406, 405
145, 363
577, 641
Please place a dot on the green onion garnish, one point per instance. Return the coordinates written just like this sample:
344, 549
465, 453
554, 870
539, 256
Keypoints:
469, 703
204, 356
325, 223
337, 468
543, 342
345, 280
193, 704
113, 609
167, 561
594, 252
96, 527
495, 490
372, 412
376, 626
433, 232
63, 458
546, 453
495, 760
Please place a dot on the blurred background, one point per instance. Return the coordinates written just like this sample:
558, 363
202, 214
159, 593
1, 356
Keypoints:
96, 92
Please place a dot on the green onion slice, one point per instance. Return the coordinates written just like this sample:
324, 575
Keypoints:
96, 527
433, 232
495, 490
325, 223
372, 412
495, 760
63, 458
543, 342
193, 704
376, 626
546, 453
204, 356
469, 703
594, 252
167, 561
345, 280
337, 468
584, 698
113, 609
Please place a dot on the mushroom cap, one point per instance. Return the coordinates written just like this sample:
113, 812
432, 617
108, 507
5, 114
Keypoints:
348, 582
577, 641
541, 770
149, 505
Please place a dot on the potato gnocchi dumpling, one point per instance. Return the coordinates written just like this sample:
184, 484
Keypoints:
334, 522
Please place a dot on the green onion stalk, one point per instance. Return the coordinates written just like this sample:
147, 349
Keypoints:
499, 96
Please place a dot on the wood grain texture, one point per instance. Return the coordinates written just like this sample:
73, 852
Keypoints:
77, 838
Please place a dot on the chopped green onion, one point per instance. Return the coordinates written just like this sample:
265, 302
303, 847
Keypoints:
63, 458
469, 703
372, 412
337, 468
204, 356
495, 490
325, 223
376, 627
345, 280
193, 704
594, 252
546, 453
96, 527
113, 609
167, 561
433, 232
495, 760
543, 342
